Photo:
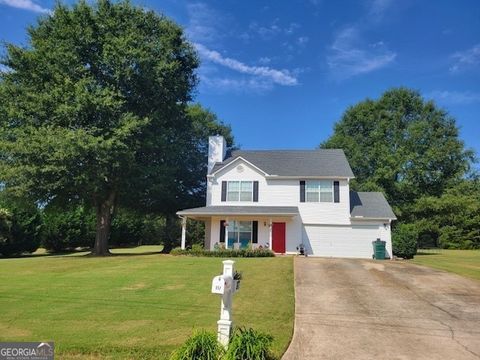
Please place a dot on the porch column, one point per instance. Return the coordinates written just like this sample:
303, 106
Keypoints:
270, 234
184, 231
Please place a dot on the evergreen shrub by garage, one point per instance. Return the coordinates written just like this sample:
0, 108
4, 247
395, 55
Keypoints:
404, 241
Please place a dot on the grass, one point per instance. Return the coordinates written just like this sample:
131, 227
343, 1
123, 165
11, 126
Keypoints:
461, 262
134, 306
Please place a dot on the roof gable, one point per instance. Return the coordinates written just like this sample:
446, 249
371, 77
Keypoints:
371, 205
235, 161
294, 163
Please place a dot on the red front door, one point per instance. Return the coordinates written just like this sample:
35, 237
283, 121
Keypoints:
278, 237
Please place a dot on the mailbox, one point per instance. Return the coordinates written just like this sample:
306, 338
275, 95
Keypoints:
221, 284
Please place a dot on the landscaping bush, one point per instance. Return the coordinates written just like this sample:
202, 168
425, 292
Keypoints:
20, 230
245, 344
246, 253
127, 229
249, 344
201, 346
153, 229
68, 229
404, 241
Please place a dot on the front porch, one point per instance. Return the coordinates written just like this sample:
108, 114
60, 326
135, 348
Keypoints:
241, 227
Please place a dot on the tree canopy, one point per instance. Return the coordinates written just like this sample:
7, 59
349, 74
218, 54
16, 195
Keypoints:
409, 149
402, 145
93, 109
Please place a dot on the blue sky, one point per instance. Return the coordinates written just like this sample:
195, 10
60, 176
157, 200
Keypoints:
282, 72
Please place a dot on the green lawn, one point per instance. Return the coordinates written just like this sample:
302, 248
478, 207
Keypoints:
134, 306
462, 262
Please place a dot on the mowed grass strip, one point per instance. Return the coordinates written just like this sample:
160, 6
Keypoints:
461, 262
136, 306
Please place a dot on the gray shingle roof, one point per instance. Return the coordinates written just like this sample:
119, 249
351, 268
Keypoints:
370, 205
241, 210
298, 163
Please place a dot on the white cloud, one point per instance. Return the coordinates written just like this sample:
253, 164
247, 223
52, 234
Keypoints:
267, 32
454, 97
377, 8
292, 28
302, 40
4, 69
280, 77
466, 59
26, 5
241, 85
265, 60
347, 57
204, 23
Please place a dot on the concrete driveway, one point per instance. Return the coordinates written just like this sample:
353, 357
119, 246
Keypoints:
361, 309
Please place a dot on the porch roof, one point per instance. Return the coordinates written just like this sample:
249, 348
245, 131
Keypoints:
241, 210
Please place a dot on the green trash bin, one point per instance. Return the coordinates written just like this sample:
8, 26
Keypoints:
379, 249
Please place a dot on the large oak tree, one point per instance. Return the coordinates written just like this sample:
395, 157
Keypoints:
93, 109
403, 146
410, 149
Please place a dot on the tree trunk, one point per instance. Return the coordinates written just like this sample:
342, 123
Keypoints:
170, 237
104, 221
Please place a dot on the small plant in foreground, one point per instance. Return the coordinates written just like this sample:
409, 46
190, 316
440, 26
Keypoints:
245, 344
201, 346
249, 344
237, 275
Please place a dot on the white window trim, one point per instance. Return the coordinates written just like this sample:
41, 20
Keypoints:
237, 239
319, 191
239, 190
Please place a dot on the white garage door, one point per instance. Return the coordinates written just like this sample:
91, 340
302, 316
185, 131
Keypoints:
341, 241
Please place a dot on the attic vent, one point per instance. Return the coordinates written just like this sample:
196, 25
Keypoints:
240, 168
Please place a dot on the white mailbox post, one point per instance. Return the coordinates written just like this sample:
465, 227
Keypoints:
225, 286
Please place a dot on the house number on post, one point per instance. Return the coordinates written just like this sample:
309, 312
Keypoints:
226, 286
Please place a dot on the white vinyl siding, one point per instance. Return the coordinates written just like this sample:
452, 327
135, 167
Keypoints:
319, 191
282, 192
239, 190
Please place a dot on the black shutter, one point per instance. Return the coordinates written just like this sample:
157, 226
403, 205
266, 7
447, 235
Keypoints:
222, 231
255, 191
224, 191
254, 232
302, 191
336, 191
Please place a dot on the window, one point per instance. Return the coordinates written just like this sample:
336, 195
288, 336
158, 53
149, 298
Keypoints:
319, 191
239, 232
240, 191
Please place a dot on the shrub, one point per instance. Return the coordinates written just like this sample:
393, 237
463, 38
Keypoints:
201, 346
404, 241
127, 228
179, 251
249, 344
20, 230
224, 253
68, 229
5, 227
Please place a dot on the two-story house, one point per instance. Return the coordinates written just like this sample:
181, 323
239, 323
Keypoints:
280, 199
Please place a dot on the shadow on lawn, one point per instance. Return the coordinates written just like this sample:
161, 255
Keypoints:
82, 253
429, 252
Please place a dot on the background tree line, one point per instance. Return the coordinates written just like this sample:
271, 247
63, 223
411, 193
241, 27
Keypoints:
410, 149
